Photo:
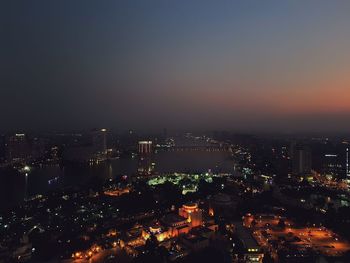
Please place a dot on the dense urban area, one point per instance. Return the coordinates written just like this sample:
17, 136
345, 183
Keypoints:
281, 198
174, 131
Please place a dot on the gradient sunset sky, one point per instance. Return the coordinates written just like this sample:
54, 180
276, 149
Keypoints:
242, 65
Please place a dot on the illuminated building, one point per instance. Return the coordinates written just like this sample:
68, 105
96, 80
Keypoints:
145, 165
133, 238
160, 232
301, 161
178, 225
174, 220
145, 147
17, 147
188, 225
192, 213
99, 141
252, 250
333, 165
117, 191
171, 225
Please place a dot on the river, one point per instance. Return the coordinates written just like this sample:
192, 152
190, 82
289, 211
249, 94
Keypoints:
15, 187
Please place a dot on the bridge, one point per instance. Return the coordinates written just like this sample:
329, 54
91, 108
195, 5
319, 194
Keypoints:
196, 148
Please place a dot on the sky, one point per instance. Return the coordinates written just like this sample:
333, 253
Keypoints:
181, 64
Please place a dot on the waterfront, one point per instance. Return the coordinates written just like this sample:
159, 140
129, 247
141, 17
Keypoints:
15, 187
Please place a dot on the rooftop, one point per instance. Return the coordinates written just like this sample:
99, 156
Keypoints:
170, 219
246, 237
194, 239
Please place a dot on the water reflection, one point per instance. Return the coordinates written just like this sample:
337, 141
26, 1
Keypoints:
41, 180
26, 186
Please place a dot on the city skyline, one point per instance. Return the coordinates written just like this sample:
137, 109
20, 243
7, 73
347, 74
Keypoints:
173, 131
245, 66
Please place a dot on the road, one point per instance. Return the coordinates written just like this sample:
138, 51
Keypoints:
101, 257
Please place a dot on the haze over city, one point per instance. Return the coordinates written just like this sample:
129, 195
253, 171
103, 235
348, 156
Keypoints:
279, 66
174, 131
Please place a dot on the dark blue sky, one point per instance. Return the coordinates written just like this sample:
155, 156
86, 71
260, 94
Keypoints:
245, 65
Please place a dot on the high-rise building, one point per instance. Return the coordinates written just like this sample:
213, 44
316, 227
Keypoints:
99, 141
145, 147
292, 148
17, 147
145, 166
333, 165
38, 147
301, 160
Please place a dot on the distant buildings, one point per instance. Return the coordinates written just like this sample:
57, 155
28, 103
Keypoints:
334, 165
17, 147
301, 160
39, 147
145, 147
2, 148
99, 141
79, 154
331, 160
21, 148
94, 151
145, 165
